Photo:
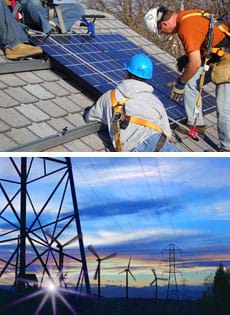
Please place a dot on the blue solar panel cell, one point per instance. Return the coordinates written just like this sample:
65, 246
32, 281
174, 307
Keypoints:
99, 63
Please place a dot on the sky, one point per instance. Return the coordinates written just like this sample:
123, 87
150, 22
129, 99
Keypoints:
134, 206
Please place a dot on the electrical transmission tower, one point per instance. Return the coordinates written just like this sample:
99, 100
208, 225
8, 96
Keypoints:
39, 210
172, 260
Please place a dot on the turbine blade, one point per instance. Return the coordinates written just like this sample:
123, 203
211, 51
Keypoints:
153, 282
72, 240
154, 273
129, 261
132, 275
122, 271
93, 251
96, 273
109, 256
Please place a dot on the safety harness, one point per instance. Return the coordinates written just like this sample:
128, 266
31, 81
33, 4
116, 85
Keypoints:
219, 51
121, 121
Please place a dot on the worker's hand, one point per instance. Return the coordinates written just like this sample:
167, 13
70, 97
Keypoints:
181, 63
177, 91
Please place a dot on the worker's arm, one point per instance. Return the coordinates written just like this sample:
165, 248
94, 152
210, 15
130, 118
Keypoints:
99, 111
194, 63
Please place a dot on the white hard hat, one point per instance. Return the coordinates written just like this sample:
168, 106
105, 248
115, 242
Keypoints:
151, 19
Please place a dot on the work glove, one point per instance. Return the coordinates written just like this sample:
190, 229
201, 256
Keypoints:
181, 63
177, 91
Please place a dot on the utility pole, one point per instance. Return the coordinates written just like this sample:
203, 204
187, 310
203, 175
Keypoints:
172, 253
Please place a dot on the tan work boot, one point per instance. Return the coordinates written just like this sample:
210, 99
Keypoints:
22, 51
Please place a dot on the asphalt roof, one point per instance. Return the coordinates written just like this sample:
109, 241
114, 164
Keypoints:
35, 106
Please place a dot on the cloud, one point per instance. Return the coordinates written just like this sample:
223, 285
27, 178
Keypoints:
106, 237
105, 208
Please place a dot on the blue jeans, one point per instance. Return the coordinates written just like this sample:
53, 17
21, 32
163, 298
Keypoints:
36, 13
150, 143
222, 103
11, 32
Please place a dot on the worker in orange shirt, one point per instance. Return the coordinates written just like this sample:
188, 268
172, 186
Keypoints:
193, 28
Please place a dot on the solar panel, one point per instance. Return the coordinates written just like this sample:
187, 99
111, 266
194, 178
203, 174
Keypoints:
99, 64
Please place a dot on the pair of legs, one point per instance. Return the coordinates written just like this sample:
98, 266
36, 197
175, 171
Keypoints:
222, 106
150, 143
11, 32
37, 14
13, 38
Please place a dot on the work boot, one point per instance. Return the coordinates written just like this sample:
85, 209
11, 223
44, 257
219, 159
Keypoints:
201, 129
22, 51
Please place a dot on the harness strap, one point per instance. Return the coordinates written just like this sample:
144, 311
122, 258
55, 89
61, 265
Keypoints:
145, 123
202, 13
118, 106
220, 51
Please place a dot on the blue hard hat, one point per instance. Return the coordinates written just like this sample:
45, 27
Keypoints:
141, 66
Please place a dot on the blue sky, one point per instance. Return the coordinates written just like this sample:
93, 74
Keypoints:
137, 206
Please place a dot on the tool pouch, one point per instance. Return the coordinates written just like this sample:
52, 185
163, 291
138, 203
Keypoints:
221, 70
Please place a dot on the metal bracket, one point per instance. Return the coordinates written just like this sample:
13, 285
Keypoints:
23, 66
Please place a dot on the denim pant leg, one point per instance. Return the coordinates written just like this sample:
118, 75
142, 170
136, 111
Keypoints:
223, 114
71, 13
36, 14
11, 32
150, 143
190, 97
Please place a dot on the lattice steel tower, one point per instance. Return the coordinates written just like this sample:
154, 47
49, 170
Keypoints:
39, 215
172, 253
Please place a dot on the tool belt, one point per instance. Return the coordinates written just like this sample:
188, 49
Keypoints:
121, 121
221, 70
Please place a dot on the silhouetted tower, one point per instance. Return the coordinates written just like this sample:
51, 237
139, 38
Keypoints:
36, 194
172, 253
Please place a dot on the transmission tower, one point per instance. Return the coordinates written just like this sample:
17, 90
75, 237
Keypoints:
38, 195
172, 260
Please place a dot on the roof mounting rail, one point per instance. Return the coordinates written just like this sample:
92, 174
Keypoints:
57, 139
24, 65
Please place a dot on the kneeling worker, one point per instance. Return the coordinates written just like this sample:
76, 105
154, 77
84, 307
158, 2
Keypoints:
136, 118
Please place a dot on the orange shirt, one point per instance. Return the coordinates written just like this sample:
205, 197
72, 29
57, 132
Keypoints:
193, 30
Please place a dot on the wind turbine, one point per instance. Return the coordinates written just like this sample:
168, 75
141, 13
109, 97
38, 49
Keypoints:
61, 254
97, 275
155, 280
127, 272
